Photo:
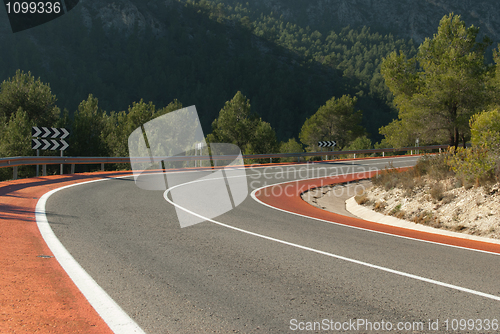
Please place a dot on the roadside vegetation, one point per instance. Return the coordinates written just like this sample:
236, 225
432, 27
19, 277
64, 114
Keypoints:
457, 189
444, 92
478, 165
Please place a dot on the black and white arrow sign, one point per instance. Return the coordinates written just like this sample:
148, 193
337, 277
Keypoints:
36, 144
44, 144
44, 132
326, 143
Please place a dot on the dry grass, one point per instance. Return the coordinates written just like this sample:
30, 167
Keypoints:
379, 206
401, 214
434, 167
361, 199
447, 199
437, 191
424, 218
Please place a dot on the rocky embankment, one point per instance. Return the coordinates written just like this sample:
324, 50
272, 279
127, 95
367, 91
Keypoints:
445, 204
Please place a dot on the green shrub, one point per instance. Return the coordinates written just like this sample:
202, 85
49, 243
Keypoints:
291, 146
432, 165
435, 166
396, 209
485, 129
474, 164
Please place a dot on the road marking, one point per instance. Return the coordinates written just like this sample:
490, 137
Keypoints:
114, 316
357, 227
339, 257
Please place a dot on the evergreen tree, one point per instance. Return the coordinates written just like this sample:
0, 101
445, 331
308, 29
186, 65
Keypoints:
15, 141
120, 125
32, 96
337, 120
262, 140
87, 130
237, 125
16, 135
437, 91
291, 146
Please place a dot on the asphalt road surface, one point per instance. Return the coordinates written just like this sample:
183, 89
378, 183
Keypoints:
209, 278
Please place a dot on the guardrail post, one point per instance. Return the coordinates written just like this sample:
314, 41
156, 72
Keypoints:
271, 160
44, 170
383, 154
354, 155
102, 166
72, 168
14, 177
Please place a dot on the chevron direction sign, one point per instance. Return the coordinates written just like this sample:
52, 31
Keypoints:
49, 144
43, 132
326, 143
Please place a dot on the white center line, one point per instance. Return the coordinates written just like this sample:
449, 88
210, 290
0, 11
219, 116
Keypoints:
366, 264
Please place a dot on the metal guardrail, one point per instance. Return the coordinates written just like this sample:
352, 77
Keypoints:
53, 160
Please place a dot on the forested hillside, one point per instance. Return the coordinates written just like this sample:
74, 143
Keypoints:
202, 53
106, 68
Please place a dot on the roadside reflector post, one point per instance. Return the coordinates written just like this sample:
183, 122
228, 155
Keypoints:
15, 173
61, 164
37, 166
271, 160
383, 154
354, 155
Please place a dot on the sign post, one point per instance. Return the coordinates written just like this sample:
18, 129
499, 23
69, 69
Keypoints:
40, 143
326, 143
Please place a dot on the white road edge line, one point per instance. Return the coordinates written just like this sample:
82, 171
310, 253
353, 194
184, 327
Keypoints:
116, 318
361, 228
366, 264
112, 314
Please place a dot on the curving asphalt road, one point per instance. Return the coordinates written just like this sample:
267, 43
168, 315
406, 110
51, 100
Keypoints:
291, 272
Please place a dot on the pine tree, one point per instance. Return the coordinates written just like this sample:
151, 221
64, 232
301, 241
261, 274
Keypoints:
437, 91
32, 96
336, 121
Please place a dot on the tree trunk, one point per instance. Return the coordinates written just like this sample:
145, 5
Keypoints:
454, 138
